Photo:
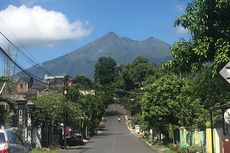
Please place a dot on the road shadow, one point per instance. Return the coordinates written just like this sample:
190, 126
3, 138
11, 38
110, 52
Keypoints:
104, 129
84, 149
79, 148
114, 113
109, 134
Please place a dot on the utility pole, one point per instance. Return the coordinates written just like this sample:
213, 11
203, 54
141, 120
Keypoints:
67, 84
64, 121
212, 128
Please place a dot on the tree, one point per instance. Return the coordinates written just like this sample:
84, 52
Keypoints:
159, 101
83, 82
93, 109
191, 113
141, 69
136, 73
73, 93
3, 112
170, 102
48, 109
213, 91
105, 69
208, 22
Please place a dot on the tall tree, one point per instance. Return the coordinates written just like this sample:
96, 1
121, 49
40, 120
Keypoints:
83, 82
159, 101
105, 70
208, 22
136, 73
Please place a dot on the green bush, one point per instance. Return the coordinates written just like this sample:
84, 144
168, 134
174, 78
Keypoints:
170, 151
196, 148
175, 149
42, 151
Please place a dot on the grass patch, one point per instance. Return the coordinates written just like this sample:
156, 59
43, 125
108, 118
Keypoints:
155, 146
170, 151
42, 151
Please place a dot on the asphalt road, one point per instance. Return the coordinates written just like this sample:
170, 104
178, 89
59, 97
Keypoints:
115, 138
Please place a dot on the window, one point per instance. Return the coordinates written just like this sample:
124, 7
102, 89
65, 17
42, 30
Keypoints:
14, 138
2, 138
21, 86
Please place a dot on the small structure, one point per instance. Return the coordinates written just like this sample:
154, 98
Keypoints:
87, 92
24, 84
51, 80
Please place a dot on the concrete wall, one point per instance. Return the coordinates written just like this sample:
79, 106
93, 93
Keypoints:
191, 138
204, 138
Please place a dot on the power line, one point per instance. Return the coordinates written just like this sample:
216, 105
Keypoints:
32, 59
24, 71
27, 57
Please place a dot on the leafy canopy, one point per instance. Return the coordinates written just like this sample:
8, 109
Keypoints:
105, 70
209, 26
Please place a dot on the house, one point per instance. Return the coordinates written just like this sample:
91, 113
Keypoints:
54, 80
25, 87
23, 84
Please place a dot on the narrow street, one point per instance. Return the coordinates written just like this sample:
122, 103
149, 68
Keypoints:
115, 138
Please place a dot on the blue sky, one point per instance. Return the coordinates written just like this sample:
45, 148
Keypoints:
82, 21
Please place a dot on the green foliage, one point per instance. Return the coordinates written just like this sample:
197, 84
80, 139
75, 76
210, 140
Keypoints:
172, 101
136, 120
213, 91
4, 79
208, 23
105, 70
48, 109
190, 111
42, 151
191, 149
137, 72
185, 60
73, 93
196, 148
83, 82
93, 109
159, 101
175, 149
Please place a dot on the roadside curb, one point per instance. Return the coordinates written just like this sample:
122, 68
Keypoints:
131, 130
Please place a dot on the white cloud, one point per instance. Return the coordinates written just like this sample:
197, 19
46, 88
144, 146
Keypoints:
29, 2
181, 30
37, 26
180, 7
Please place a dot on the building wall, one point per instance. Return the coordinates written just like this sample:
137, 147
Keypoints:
220, 139
22, 87
204, 138
208, 141
191, 138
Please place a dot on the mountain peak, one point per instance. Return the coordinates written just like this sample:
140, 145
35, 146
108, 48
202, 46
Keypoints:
111, 35
150, 39
123, 49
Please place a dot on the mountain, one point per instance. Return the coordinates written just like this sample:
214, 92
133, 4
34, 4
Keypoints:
124, 50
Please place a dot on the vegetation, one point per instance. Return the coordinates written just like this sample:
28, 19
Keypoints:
48, 108
42, 151
5, 113
82, 110
105, 70
180, 93
207, 21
